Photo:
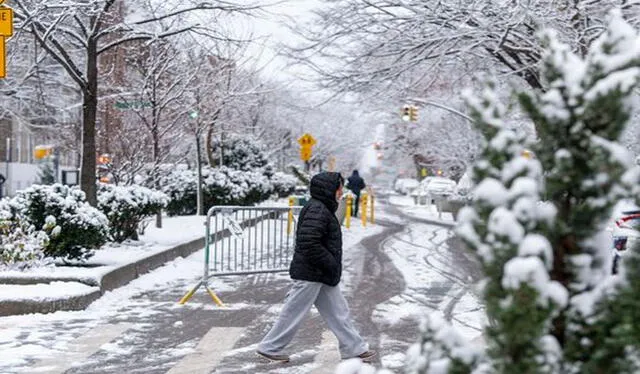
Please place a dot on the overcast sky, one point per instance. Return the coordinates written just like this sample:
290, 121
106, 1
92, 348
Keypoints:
271, 27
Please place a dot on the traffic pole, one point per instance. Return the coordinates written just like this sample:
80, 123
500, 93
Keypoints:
363, 208
347, 218
290, 215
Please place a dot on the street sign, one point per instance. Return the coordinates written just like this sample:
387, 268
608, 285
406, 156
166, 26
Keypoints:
307, 140
42, 151
6, 22
305, 153
234, 227
3, 58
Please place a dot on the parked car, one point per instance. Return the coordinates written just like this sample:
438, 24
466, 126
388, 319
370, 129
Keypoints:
438, 186
625, 233
405, 185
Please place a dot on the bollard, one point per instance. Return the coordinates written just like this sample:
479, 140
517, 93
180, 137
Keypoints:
290, 217
363, 208
372, 216
347, 215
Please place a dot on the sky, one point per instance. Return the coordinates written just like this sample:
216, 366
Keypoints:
270, 28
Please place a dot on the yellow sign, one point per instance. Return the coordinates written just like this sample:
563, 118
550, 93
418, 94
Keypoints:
42, 151
307, 140
6, 22
423, 172
3, 58
305, 153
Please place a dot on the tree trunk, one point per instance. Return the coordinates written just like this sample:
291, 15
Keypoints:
209, 146
156, 157
199, 197
89, 112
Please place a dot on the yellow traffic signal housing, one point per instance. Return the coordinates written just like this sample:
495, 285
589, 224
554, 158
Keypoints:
406, 113
413, 114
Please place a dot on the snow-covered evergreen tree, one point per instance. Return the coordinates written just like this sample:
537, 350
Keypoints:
241, 153
537, 223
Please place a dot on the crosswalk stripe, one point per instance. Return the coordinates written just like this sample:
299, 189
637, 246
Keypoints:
81, 348
209, 352
329, 357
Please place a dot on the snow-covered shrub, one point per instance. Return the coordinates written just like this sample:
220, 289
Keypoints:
21, 245
221, 186
127, 206
283, 184
537, 225
77, 226
242, 152
245, 187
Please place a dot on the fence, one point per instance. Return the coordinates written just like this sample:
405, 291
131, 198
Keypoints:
246, 240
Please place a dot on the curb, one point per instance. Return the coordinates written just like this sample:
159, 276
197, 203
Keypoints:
116, 278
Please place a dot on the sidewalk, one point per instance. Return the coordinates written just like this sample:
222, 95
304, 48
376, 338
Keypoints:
61, 287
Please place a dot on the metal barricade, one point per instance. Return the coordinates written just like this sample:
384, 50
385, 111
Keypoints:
243, 240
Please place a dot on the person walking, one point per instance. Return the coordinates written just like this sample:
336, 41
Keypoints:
2, 180
316, 270
356, 184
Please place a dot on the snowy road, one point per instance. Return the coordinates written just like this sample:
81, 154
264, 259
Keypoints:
395, 273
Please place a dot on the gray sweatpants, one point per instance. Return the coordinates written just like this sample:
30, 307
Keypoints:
332, 307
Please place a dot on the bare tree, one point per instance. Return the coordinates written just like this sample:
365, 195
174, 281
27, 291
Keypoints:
364, 45
75, 33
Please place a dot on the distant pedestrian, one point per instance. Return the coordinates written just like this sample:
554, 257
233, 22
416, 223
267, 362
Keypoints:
2, 180
316, 269
356, 185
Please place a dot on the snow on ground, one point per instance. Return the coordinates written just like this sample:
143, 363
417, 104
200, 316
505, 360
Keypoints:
122, 305
428, 211
174, 231
434, 282
420, 253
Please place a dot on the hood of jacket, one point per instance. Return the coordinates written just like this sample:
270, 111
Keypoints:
324, 186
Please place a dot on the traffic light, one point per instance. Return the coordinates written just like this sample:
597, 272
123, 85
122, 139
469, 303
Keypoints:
413, 114
409, 113
406, 113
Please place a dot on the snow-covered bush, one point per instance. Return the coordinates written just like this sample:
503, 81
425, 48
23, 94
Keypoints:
242, 152
21, 245
283, 184
537, 225
77, 226
127, 206
221, 186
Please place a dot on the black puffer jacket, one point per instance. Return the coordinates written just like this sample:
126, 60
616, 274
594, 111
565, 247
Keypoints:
318, 253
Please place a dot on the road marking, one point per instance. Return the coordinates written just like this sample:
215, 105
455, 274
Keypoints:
81, 348
329, 356
209, 352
